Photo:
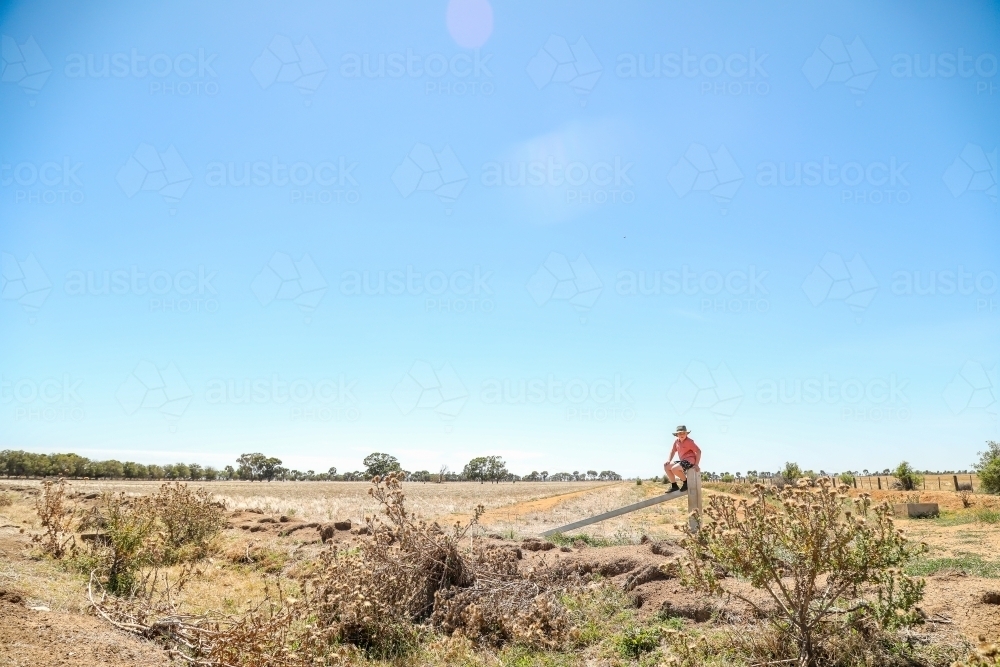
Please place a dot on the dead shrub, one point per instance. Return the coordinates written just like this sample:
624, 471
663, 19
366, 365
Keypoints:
190, 519
409, 580
985, 655
965, 495
56, 514
268, 634
826, 563
6, 500
412, 576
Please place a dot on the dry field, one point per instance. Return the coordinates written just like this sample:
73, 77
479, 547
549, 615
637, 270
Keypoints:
45, 617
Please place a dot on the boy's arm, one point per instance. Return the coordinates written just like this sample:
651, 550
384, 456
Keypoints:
697, 455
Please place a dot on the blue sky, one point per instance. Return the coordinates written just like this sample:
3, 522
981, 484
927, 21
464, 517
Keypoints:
551, 232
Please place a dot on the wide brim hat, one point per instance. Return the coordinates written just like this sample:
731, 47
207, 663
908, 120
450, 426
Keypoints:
681, 429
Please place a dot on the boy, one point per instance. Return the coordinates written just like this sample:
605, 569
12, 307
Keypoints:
688, 457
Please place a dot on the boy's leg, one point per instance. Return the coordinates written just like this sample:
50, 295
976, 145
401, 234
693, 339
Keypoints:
679, 472
667, 468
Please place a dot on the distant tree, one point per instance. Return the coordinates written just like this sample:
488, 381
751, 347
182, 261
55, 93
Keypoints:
210, 473
496, 469
906, 477
271, 468
591, 474
381, 464
332, 472
544, 474
195, 471
475, 470
609, 475
791, 472
250, 465
229, 473
988, 467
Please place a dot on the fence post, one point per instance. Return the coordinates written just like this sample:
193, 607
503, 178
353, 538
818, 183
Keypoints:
880, 482
694, 498
855, 482
954, 478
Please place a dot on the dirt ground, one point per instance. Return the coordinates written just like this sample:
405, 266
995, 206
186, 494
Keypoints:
45, 620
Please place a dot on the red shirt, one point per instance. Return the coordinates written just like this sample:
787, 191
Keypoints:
686, 450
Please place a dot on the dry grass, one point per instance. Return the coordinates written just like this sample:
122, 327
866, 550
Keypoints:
328, 501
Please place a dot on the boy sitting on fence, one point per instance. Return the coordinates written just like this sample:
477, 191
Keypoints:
688, 457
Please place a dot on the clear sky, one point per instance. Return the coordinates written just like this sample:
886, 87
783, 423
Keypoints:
550, 231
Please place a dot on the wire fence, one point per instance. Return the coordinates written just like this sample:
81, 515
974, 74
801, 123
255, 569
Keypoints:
928, 482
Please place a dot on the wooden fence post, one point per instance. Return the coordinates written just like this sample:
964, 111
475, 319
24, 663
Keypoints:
694, 499
954, 478
855, 482
880, 482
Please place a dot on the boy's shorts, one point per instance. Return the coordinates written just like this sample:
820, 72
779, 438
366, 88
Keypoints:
685, 465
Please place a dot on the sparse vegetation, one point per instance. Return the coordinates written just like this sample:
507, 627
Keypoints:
56, 514
414, 593
827, 566
985, 655
906, 477
988, 468
970, 565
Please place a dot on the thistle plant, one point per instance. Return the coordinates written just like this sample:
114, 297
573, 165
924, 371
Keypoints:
825, 561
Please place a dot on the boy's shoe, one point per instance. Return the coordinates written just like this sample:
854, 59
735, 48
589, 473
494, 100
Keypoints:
673, 487
684, 487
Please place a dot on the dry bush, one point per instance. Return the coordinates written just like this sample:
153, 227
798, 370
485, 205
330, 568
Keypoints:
6, 500
827, 564
985, 655
410, 579
190, 519
57, 515
173, 525
125, 547
966, 497
268, 634
412, 576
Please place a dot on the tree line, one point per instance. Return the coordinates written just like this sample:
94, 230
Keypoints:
256, 466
